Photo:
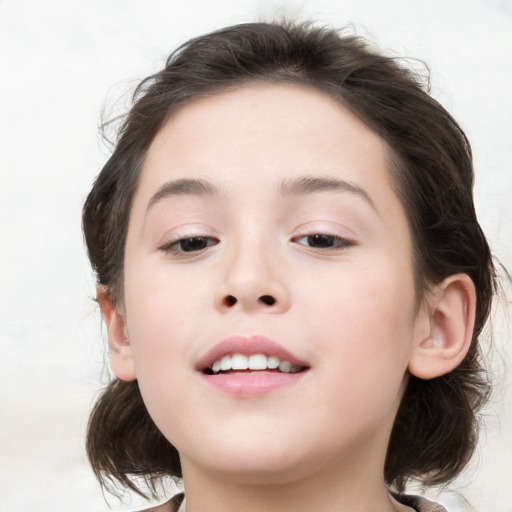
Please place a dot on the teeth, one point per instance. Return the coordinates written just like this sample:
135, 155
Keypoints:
273, 362
239, 362
253, 362
285, 366
258, 362
225, 363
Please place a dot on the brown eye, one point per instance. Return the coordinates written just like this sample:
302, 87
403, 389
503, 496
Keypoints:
324, 241
195, 243
320, 240
190, 244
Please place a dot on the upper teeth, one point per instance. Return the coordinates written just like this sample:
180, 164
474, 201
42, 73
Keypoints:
254, 362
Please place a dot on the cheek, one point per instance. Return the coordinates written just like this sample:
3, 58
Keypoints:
367, 321
163, 314
374, 297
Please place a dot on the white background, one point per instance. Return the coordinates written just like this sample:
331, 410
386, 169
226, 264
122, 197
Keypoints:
60, 61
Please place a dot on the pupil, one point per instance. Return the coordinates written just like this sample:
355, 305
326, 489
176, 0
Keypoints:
195, 243
321, 240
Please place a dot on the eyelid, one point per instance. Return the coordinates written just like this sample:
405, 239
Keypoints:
343, 235
170, 246
188, 228
343, 242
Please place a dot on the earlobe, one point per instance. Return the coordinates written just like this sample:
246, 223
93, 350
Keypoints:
121, 357
451, 312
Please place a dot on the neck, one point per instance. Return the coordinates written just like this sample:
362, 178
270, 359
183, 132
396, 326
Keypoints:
332, 489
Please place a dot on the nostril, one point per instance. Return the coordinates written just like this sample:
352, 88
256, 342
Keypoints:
268, 300
230, 300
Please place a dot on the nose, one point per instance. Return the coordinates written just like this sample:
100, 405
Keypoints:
253, 281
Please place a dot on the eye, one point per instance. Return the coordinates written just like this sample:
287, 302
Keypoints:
324, 241
189, 245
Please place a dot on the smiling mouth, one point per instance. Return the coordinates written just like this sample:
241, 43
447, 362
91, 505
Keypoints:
239, 363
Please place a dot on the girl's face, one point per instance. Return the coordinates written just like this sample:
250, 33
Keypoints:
265, 224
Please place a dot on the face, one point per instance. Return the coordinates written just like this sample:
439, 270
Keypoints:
265, 225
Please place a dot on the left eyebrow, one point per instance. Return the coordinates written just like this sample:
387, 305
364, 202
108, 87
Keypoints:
314, 184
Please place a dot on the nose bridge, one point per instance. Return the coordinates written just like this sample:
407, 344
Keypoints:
253, 275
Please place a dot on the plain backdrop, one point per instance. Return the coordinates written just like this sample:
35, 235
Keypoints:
61, 61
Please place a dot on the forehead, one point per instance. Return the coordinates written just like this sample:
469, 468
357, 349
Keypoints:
263, 133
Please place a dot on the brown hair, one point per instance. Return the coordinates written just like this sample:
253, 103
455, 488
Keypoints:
435, 431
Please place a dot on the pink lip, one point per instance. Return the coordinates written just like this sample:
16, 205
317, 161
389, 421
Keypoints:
247, 346
249, 384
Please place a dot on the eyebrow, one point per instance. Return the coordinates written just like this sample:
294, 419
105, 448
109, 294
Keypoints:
185, 186
302, 185
314, 184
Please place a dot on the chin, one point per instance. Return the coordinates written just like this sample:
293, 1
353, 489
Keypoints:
257, 462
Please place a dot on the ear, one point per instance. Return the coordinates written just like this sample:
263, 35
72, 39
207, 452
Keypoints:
451, 318
121, 358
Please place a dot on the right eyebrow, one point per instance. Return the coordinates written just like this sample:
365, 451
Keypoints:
185, 186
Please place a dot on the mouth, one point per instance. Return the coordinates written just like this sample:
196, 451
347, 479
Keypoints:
250, 366
241, 363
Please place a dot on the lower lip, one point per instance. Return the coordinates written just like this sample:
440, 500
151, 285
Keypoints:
251, 383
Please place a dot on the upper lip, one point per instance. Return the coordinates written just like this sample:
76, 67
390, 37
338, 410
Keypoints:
247, 345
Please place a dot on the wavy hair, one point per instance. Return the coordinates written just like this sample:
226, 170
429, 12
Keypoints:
435, 431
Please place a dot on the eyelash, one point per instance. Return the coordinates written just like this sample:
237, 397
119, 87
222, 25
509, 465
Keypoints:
338, 242
174, 246
333, 242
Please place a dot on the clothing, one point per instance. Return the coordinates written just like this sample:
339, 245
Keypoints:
177, 504
419, 504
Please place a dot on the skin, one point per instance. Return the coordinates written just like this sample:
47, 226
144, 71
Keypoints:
350, 311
